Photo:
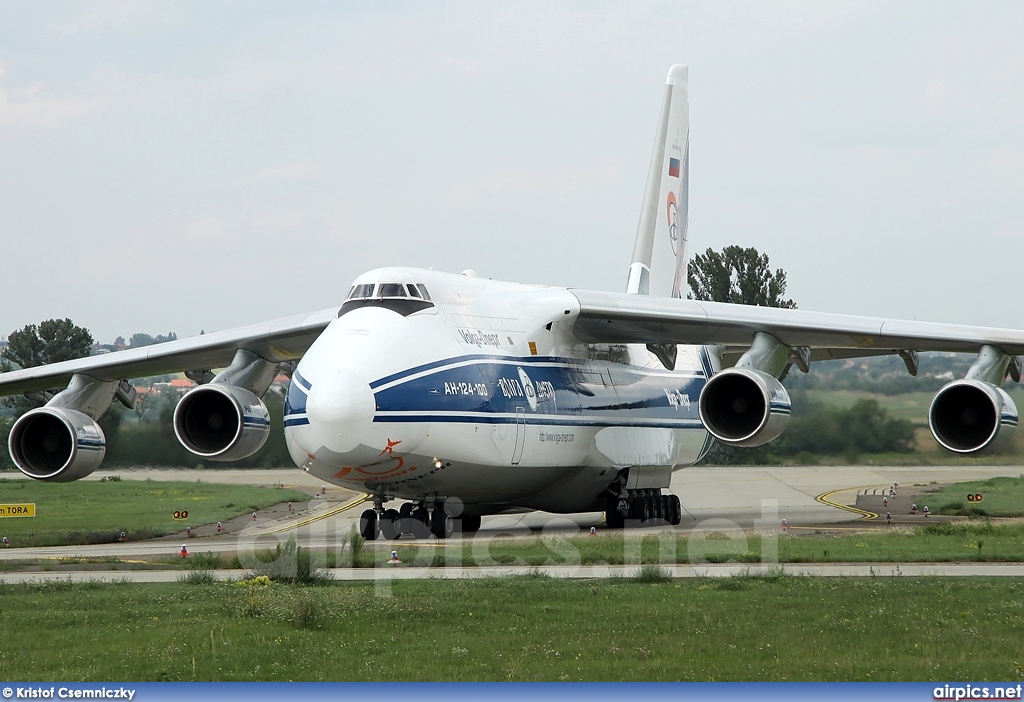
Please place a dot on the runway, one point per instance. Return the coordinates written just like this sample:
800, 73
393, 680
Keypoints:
713, 499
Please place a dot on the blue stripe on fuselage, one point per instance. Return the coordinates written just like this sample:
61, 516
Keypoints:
490, 389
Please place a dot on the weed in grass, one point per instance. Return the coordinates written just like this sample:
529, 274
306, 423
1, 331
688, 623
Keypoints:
197, 577
355, 543
535, 574
257, 595
305, 610
290, 564
652, 574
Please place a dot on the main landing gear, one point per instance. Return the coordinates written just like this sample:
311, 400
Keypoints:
643, 508
419, 520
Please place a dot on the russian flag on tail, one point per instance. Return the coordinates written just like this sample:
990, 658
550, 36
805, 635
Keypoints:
673, 167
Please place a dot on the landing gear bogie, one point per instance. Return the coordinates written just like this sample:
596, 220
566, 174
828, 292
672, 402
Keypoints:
644, 508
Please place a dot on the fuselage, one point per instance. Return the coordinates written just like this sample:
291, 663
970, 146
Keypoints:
452, 386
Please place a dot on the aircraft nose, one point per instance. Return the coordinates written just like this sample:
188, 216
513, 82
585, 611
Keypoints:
340, 409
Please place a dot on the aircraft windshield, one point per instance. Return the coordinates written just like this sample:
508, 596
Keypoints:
364, 290
404, 298
391, 290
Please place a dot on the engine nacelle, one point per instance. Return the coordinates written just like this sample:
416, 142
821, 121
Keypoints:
221, 422
972, 417
744, 407
56, 444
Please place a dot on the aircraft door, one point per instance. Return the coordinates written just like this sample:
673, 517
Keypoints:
517, 452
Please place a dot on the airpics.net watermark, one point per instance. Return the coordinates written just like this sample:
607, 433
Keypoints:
961, 692
715, 540
38, 692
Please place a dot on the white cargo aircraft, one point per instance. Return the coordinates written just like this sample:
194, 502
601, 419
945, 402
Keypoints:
465, 396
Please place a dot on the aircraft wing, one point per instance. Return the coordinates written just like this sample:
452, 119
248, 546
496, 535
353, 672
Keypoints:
278, 340
625, 318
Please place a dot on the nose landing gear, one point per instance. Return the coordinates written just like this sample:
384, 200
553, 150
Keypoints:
419, 520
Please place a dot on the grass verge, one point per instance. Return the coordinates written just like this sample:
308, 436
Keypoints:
745, 628
938, 542
1001, 497
86, 512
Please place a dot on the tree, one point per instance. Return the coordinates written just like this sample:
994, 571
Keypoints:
740, 276
50, 342
5, 431
141, 339
737, 275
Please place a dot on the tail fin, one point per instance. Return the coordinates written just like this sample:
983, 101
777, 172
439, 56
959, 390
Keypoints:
659, 256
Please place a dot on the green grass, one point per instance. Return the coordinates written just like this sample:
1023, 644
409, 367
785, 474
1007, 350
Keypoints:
96, 512
529, 628
1001, 497
938, 542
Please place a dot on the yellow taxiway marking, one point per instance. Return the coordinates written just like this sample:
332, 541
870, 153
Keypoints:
323, 515
824, 498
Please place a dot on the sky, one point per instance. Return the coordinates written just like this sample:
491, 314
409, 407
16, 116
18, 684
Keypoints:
205, 165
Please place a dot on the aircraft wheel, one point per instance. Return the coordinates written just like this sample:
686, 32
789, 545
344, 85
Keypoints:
659, 507
640, 510
470, 523
612, 516
368, 525
677, 511
405, 525
652, 512
389, 525
419, 518
442, 523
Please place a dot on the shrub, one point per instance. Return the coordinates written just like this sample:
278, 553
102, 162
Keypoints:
355, 543
290, 564
652, 574
305, 611
197, 577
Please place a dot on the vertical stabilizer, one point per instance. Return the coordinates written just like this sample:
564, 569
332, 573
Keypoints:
659, 254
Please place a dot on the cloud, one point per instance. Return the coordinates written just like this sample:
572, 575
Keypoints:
42, 105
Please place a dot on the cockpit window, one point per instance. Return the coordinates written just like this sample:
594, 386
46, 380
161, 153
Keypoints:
423, 290
391, 290
412, 290
364, 290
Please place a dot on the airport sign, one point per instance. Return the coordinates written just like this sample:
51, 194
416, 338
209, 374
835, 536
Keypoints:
27, 509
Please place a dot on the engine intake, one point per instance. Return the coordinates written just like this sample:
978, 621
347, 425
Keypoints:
221, 422
972, 417
56, 444
744, 407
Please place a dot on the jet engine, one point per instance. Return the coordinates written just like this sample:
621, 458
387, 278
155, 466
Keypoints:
56, 444
221, 422
744, 407
972, 417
